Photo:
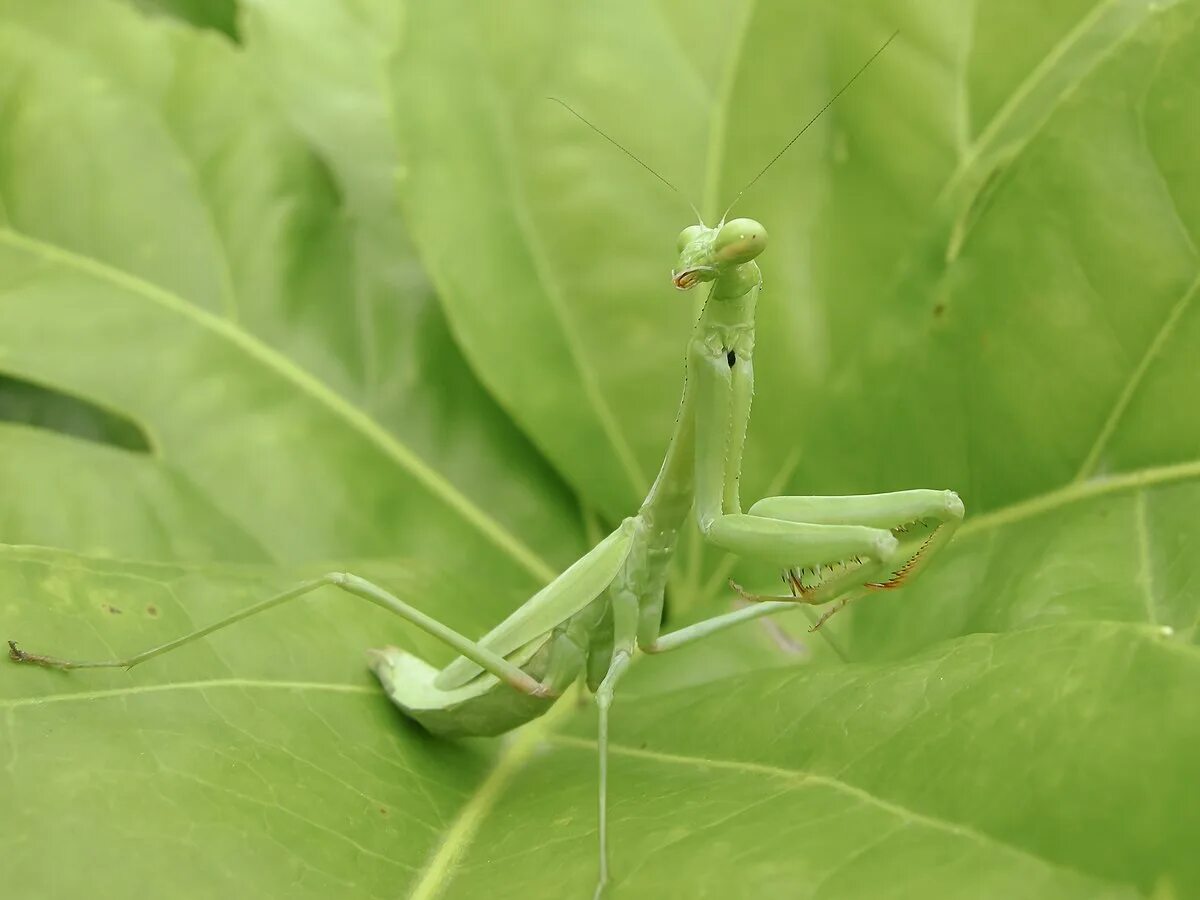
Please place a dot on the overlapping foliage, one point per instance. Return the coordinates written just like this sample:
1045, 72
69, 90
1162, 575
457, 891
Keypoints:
369, 301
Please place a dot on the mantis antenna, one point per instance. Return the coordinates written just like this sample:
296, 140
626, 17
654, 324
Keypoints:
627, 152
820, 112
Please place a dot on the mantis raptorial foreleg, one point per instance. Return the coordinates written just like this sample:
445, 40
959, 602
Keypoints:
939, 512
834, 588
897, 511
783, 542
859, 533
791, 544
875, 510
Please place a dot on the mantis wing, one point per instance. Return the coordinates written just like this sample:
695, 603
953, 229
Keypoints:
562, 598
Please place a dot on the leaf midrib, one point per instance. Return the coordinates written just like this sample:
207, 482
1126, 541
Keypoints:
442, 863
1027, 88
306, 383
1129, 389
1077, 492
800, 777
982, 152
200, 685
188, 166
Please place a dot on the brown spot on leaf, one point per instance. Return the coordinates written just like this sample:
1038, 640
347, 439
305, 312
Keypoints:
110, 609
151, 610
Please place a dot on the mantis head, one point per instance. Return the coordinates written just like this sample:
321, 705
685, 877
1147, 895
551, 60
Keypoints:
706, 253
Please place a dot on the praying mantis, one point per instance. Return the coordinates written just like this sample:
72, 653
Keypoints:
591, 620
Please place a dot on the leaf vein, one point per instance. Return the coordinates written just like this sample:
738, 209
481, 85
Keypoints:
438, 871
208, 684
566, 325
1077, 492
1129, 389
291, 813
400, 454
799, 777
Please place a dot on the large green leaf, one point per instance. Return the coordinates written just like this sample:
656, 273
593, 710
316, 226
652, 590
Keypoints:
982, 264
261, 765
63, 492
993, 766
324, 63
159, 212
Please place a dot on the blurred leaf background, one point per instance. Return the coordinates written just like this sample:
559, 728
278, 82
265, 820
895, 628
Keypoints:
287, 287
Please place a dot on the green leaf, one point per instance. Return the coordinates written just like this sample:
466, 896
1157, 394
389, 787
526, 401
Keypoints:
326, 66
983, 259
1120, 549
220, 15
509, 196
986, 767
160, 213
216, 15
241, 765
25, 403
977, 760
64, 492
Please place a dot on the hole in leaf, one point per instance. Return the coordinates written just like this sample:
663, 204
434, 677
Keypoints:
26, 403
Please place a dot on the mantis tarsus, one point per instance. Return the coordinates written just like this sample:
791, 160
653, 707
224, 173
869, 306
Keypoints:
590, 619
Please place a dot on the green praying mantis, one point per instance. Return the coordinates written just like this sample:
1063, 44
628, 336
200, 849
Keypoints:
590, 620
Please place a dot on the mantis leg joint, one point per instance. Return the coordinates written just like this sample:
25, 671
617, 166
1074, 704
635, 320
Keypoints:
543, 690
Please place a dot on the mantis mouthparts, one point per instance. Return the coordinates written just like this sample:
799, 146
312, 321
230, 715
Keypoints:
688, 277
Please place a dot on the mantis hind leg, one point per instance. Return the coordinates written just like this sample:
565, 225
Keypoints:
564, 597
352, 584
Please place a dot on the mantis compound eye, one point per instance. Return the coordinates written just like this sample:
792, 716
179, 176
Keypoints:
739, 241
688, 235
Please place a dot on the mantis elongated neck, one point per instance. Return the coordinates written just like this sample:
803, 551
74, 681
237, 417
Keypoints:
721, 367
726, 323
